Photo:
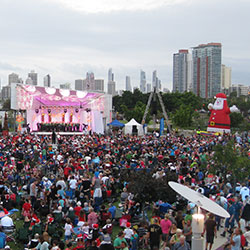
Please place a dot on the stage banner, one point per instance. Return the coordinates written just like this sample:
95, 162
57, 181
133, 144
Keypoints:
161, 126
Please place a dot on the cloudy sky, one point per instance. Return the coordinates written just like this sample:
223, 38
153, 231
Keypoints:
67, 38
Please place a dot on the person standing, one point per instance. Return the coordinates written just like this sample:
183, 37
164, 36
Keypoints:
155, 235
236, 239
211, 229
165, 227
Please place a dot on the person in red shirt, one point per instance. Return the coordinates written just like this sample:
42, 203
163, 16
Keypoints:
26, 209
66, 171
78, 208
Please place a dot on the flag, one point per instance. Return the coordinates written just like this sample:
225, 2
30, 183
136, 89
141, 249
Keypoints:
161, 126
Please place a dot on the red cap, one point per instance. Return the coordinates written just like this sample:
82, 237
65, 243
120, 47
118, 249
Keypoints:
95, 226
128, 224
221, 95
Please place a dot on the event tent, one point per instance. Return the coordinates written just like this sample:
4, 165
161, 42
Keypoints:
129, 127
116, 123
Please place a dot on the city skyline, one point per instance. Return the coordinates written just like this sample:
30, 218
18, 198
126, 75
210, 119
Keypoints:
67, 38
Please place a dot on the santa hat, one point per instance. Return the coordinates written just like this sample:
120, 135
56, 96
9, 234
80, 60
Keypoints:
51, 219
95, 226
79, 236
5, 211
221, 95
128, 224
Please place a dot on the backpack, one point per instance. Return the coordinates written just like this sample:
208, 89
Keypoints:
243, 240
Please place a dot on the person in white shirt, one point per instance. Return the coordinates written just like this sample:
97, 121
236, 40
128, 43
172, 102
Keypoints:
128, 233
244, 191
7, 222
73, 185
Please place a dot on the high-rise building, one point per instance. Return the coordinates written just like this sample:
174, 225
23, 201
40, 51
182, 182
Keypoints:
207, 70
6, 92
156, 82
66, 85
148, 87
128, 84
182, 71
226, 81
111, 88
47, 81
99, 85
79, 84
33, 77
14, 78
110, 75
90, 79
143, 81
111, 83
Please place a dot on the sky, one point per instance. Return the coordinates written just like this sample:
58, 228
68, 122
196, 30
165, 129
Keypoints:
67, 38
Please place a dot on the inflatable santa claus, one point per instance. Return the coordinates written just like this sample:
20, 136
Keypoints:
219, 120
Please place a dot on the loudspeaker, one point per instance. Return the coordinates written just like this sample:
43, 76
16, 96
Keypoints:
134, 130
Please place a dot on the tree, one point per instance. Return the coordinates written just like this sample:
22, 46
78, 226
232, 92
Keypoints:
227, 159
6, 104
146, 188
183, 116
236, 119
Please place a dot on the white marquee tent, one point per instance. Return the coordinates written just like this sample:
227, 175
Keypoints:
129, 127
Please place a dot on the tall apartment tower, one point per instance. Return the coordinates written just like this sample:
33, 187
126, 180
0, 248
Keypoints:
226, 80
14, 78
182, 73
156, 82
99, 85
90, 81
111, 83
47, 81
79, 84
128, 84
33, 76
207, 70
143, 81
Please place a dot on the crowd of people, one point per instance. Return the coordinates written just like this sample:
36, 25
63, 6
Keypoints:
70, 195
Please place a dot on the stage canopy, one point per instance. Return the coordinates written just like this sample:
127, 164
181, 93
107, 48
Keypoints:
116, 123
28, 95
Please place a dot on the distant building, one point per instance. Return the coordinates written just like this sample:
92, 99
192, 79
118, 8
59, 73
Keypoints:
128, 84
79, 84
65, 86
165, 90
99, 85
182, 71
6, 92
226, 80
33, 77
143, 81
111, 88
90, 80
207, 70
110, 75
29, 81
156, 83
120, 92
240, 89
148, 87
47, 81
14, 78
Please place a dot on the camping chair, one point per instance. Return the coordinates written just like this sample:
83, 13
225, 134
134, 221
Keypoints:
10, 233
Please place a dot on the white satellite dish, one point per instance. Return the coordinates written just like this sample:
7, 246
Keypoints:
199, 199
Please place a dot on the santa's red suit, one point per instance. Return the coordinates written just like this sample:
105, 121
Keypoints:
219, 120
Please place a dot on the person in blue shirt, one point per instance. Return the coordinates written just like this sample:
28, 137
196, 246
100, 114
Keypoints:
112, 210
236, 239
229, 223
2, 239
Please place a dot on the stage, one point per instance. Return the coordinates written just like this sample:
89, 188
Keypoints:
67, 112
58, 133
